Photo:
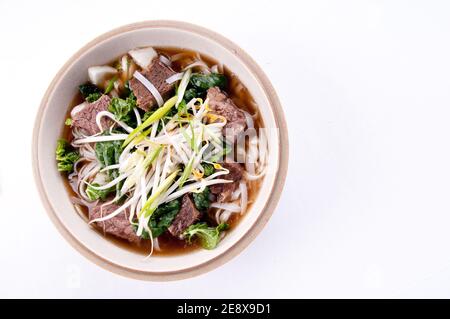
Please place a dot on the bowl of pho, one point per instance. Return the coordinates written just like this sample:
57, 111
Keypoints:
160, 150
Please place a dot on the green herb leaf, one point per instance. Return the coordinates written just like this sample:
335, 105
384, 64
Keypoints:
182, 108
110, 85
200, 83
95, 194
208, 236
156, 116
68, 122
186, 172
90, 92
165, 119
163, 217
108, 153
205, 81
123, 109
66, 156
93, 97
208, 169
150, 206
201, 200
191, 93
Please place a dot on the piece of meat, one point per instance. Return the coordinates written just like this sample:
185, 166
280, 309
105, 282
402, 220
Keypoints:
118, 226
157, 73
187, 215
224, 191
222, 105
84, 118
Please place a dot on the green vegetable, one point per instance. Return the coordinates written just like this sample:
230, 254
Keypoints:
208, 169
201, 200
190, 94
206, 81
163, 217
200, 83
208, 236
90, 92
149, 208
95, 194
147, 115
150, 158
68, 122
182, 108
191, 140
165, 119
144, 234
123, 109
66, 156
187, 172
93, 97
156, 116
110, 85
126, 91
108, 153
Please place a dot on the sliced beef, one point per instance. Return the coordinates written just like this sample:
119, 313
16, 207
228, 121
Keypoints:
224, 106
187, 215
157, 73
224, 191
84, 119
118, 226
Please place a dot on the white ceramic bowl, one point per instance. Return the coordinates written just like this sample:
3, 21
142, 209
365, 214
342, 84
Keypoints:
49, 123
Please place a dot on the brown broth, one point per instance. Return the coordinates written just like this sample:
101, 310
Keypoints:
169, 245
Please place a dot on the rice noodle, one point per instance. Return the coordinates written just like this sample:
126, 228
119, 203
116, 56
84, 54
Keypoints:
224, 216
178, 56
87, 172
236, 194
244, 196
252, 154
114, 182
200, 64
232, 207
217, 216
252, 177
80, 201
249, 120
263, 148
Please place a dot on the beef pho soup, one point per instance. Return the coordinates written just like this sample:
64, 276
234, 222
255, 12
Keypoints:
156, 150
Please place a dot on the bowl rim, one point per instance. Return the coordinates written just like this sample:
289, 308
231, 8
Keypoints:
269, 206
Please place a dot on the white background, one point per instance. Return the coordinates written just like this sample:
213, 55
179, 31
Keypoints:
365, 86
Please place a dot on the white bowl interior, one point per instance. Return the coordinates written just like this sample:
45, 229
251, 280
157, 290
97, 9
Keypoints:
53, 117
